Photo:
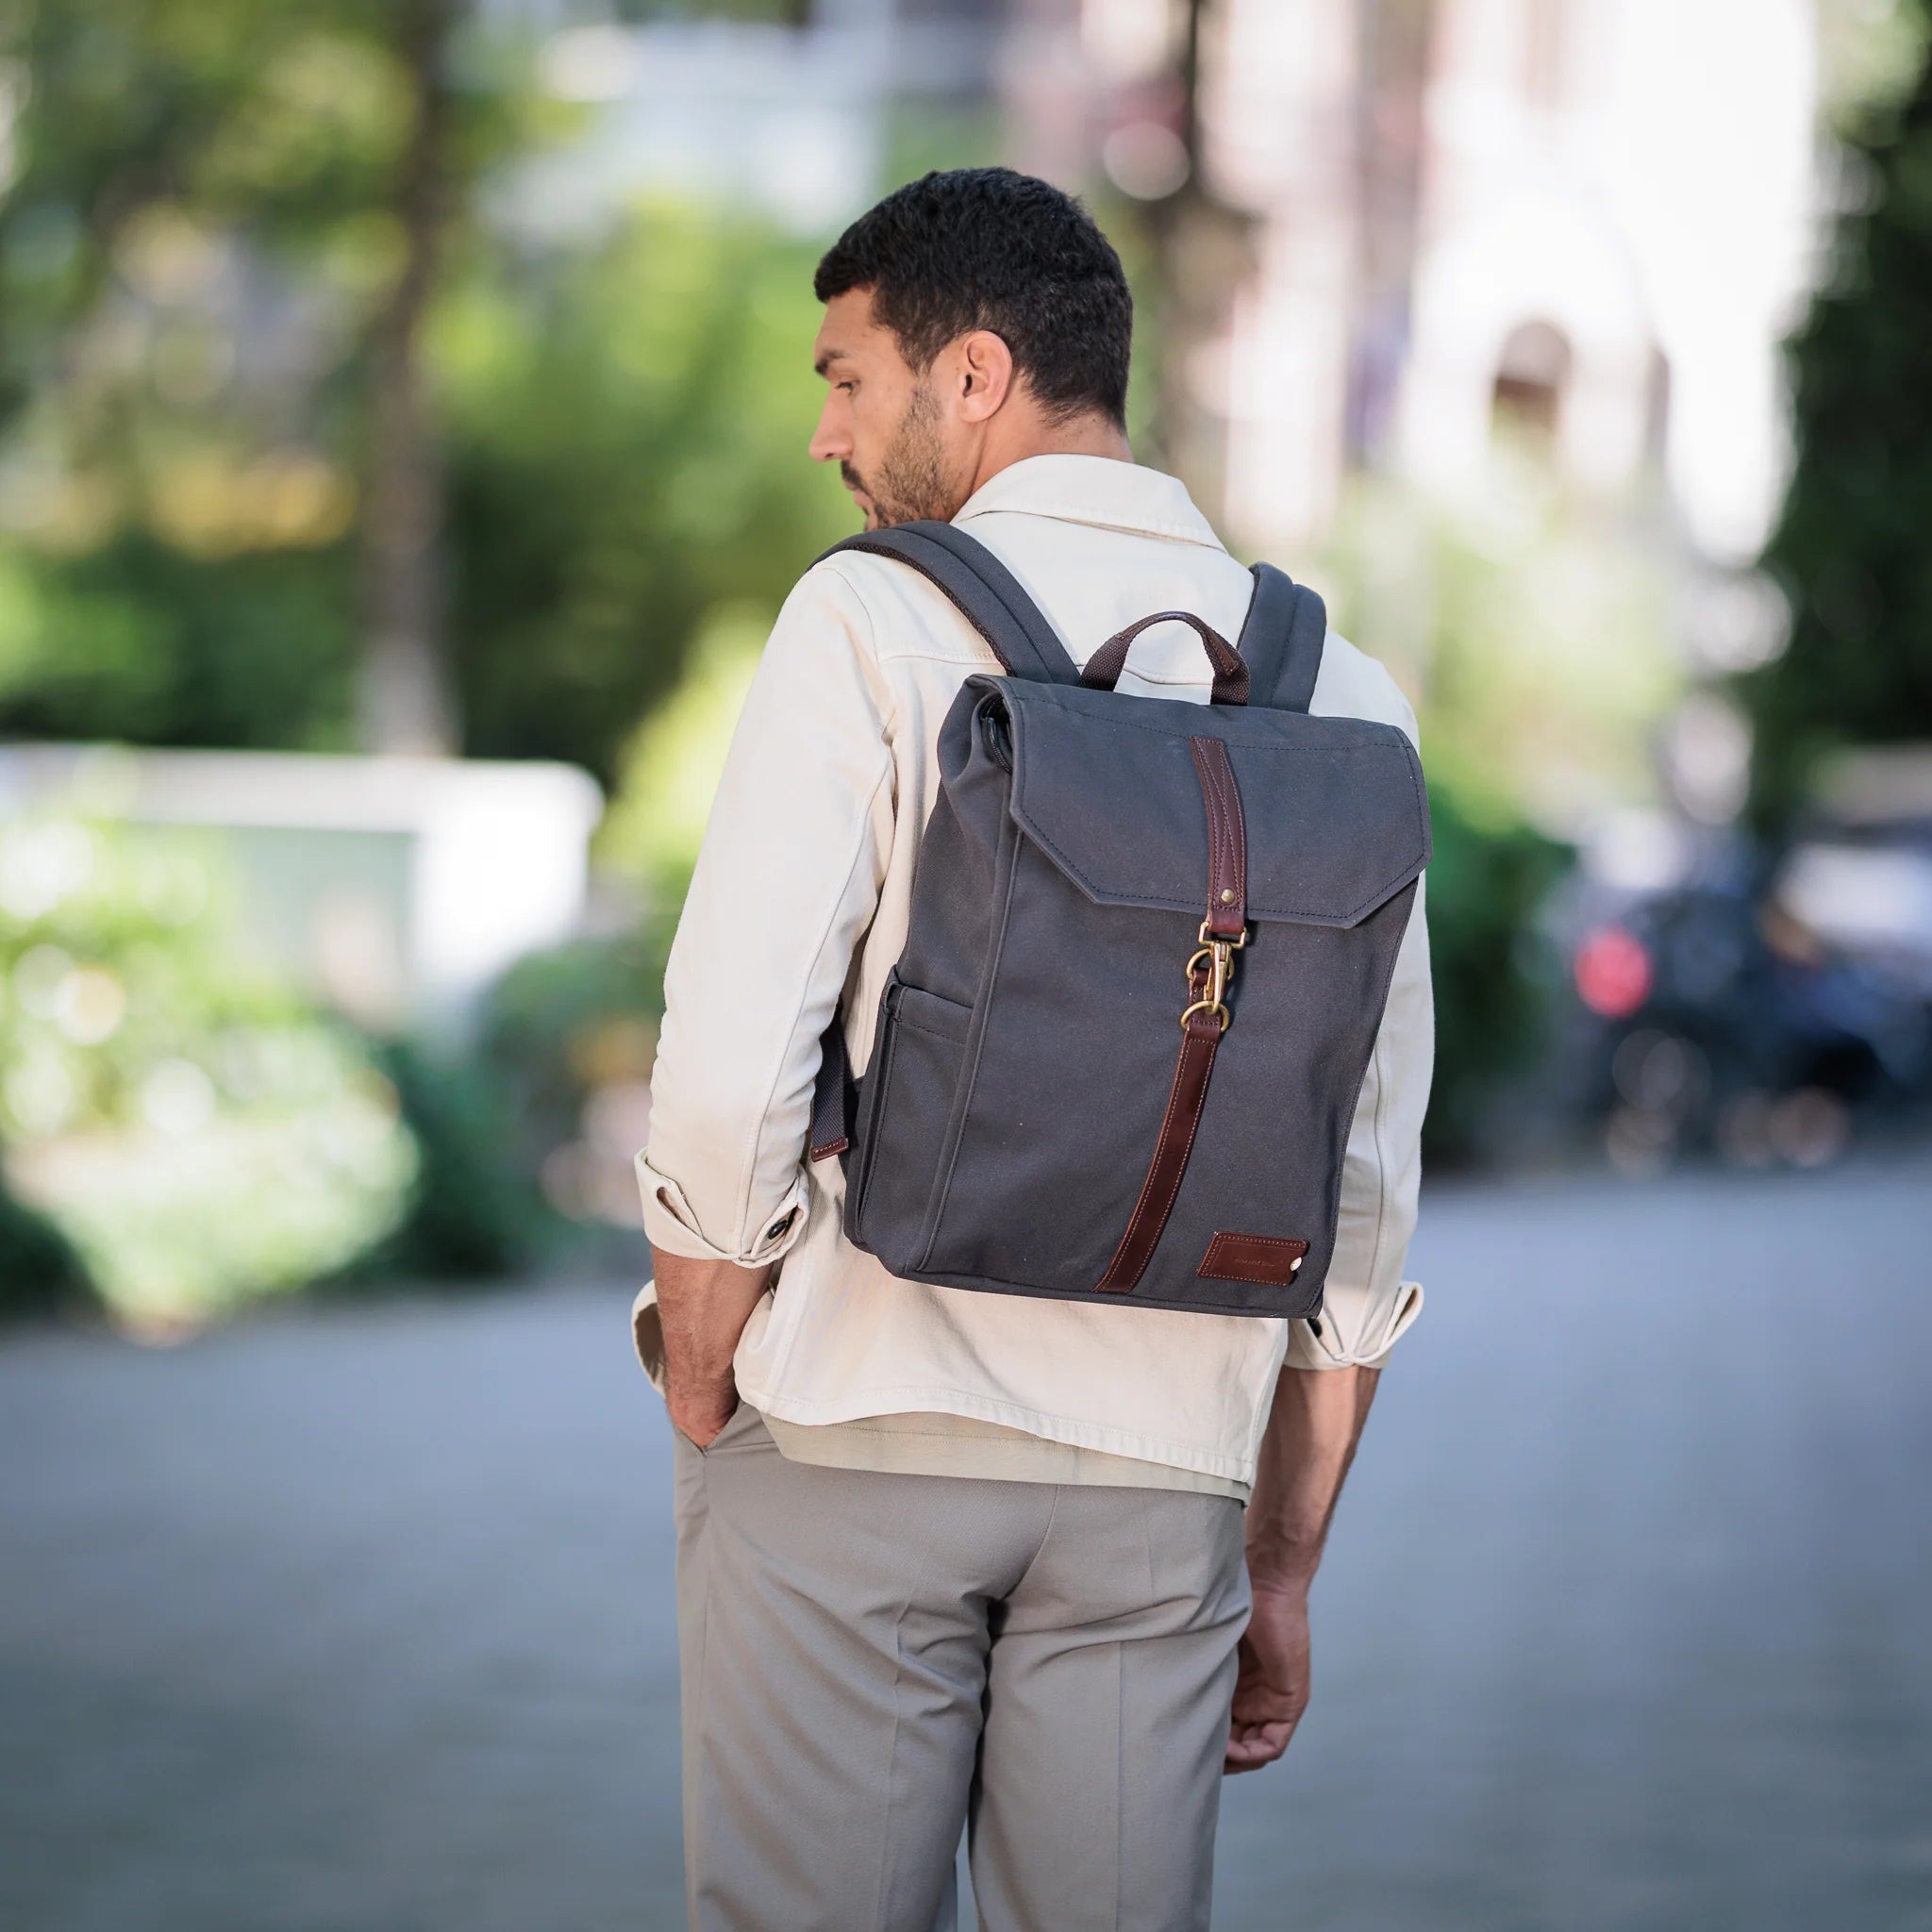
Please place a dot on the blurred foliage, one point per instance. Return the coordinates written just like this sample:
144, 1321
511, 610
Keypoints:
194, 251
673, 761
627, 449
569, 1036
152, 134
1530, 626
626, 438
571, 1032
1868, 50
1530, 629
138, 643
178, 166
192, 1130
471, 1213
1850, 548
197, 241
1484, 883
40, 1273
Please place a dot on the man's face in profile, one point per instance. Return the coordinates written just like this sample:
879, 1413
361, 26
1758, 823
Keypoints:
882, 423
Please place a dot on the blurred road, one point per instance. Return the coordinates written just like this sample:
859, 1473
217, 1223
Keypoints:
360, 1621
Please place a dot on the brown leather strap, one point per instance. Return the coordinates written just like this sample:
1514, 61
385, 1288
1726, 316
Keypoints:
1103, 670
1227, 840
1201, 1030
1199, 1039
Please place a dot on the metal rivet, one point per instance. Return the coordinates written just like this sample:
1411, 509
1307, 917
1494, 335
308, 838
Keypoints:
1294, 1264
1227, 895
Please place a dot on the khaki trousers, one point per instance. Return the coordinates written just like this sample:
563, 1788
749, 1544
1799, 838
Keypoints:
872, 1661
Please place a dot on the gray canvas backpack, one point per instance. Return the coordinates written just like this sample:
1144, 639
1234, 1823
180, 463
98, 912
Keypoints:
1150, 945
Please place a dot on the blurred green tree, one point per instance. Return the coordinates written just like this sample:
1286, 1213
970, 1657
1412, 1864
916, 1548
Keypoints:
627, 435
273, 383
192, 178
1849, 547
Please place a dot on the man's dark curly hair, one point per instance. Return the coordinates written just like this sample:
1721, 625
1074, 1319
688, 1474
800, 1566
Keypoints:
988, 248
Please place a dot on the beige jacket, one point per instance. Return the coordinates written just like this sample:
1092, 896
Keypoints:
802, 891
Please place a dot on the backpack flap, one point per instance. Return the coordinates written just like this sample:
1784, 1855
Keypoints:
1336, 814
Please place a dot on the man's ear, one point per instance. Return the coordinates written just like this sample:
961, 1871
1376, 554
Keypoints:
985, 374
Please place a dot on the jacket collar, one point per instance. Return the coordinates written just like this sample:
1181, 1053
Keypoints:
1095, 490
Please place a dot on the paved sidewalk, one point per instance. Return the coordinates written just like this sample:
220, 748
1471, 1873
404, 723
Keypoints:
360, 1621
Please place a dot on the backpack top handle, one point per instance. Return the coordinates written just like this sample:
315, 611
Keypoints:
1280, 642
1104, 667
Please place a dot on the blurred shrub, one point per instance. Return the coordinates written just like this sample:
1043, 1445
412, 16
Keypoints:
1484, 883
191, 1128
570, 1035
624, 435
135, 642
673, 761
573, 1032
471, 1213
39, 1273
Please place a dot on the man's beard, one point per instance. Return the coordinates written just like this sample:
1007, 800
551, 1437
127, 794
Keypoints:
910, 481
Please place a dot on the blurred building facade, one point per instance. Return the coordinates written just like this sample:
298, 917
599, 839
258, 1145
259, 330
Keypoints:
1592, 217
792, 115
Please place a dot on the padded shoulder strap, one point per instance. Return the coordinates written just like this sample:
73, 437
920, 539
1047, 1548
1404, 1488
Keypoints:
987, 593
990, 598
1281, 640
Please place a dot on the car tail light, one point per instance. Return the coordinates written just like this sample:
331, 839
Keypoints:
1613, 973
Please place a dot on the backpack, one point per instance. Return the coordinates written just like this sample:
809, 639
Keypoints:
1150, 945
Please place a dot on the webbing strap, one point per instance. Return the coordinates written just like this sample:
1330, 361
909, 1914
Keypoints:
831, 1093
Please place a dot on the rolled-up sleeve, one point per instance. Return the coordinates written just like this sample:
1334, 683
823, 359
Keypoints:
1366, 1302
786, 883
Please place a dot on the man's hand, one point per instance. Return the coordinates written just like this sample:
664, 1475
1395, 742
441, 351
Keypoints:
1308, 1443
701, 1416
703, 1306
1272, 1689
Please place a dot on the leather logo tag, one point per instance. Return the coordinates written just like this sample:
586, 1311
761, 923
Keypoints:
1264, 1258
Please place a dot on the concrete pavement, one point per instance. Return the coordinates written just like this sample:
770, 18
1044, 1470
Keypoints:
359, 1620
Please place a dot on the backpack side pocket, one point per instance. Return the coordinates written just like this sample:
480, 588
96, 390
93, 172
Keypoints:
907, 1100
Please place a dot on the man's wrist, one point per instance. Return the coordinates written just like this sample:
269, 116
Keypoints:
702, 1307
1272, 1568
702, 1408
691, 1390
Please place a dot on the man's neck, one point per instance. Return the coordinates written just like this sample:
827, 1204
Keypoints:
1084, 436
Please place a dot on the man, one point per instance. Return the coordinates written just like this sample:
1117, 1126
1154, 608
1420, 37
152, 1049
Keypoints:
950, 1558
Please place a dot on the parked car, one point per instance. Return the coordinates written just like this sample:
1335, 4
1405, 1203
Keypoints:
1758, 1004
